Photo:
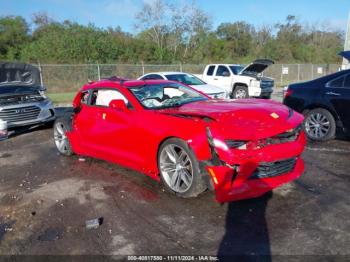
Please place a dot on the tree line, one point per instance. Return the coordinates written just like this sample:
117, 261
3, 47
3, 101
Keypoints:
165, 33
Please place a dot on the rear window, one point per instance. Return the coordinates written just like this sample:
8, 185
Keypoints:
347, 81
338, 82
152, 77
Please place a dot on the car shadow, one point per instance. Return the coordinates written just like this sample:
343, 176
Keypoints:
246, 237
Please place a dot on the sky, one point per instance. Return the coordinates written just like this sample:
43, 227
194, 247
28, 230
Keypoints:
330, 14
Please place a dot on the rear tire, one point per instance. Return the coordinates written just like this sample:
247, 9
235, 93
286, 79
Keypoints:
319, 125
179, 169
61, 126
240, 92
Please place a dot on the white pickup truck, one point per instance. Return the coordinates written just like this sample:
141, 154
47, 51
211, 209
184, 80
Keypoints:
240, 81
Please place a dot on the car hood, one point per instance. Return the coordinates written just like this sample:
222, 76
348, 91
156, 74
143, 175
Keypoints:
243, 119
19, 75
345, 54
208, 89
257, 67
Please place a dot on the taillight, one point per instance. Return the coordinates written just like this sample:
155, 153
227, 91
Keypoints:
288, 92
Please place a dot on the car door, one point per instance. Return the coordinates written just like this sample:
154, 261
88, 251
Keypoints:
115, 129
337, 92
85, 119
223, 77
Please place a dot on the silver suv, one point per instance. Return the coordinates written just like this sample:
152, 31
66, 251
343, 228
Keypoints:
22, 98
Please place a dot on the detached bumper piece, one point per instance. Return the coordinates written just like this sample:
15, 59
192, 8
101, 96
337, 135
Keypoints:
251, 180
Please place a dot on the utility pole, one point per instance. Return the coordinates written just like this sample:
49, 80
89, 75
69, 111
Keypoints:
347, 44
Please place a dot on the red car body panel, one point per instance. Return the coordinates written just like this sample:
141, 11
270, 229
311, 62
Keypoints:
132, 138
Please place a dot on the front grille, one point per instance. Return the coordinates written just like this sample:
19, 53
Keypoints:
272, 169
266, 84
20, 114
20, 99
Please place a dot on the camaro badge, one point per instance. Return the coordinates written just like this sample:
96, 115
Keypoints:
274, 115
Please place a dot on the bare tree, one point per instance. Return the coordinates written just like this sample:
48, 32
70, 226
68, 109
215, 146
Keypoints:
171, 26
197, 22
153, 19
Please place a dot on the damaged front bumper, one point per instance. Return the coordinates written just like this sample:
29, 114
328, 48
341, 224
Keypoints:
251, 173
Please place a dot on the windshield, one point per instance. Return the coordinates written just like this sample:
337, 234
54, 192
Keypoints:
236, 69
185, 79
166, 95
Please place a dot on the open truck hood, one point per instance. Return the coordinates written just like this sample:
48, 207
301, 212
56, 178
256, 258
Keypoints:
256, 67
19, 75
345, 54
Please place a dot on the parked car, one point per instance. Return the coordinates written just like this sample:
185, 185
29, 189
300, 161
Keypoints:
240, 81
325, 102
188, 79
179, 136
22, 98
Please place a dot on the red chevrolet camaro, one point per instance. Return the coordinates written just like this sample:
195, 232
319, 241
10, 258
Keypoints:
177, 135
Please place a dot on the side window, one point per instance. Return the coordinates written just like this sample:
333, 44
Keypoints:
338, 82
84, 99
102, 97
347, 81
210, 70
152, 77
222, 70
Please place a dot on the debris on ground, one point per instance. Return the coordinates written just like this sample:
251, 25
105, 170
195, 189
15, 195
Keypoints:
81, 159
94, 223
5, 227
50, 234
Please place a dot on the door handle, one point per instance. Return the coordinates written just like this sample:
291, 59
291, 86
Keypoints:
332, 94
215, 79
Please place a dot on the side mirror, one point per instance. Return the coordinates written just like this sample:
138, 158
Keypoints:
225, 73
118, 104
43, 88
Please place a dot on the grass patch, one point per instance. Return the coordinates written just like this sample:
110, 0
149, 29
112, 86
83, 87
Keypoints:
58, 98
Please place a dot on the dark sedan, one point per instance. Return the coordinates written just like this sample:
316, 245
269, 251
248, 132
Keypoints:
325, 102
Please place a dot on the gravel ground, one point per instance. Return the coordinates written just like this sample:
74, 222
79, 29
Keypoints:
46, 198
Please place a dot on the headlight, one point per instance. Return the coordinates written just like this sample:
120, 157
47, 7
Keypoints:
222, 95
254, 83
42, 94
214, 142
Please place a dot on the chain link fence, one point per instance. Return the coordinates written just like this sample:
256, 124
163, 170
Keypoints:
69, 78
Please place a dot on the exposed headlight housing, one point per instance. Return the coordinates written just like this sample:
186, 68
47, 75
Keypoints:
238, 144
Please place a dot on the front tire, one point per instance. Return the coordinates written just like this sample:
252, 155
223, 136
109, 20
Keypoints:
319, 125
60, 128
240, 92
179, 169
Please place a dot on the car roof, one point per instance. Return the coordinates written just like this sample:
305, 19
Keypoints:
224, 64
168, 73
107, 83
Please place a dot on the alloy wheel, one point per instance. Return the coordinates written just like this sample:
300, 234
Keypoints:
317, 125
176, 168
60, 138
240, 93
